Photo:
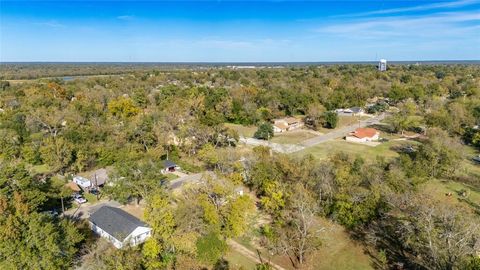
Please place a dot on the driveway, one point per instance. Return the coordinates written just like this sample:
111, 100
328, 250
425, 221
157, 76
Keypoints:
85, 210
192, 178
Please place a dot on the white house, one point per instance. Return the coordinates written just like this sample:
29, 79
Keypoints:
286, 124
119, 227
363, 135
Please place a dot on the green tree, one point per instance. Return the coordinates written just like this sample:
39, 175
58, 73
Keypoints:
29, 240
331, 119
57, 153
210, 248
122, 107
264, 131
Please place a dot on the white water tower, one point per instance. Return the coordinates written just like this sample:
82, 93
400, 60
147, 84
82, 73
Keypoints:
382, 65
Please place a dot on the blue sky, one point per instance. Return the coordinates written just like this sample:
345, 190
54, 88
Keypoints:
226, 31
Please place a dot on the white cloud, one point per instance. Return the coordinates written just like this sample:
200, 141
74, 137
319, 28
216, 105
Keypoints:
125, 17
51, 23
439, 5
435, 25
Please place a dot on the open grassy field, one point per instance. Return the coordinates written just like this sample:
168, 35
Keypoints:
344, 120
338, 251
326, 149
292, 137
244, 131
238, 261
438, 190
43, 168
171, 176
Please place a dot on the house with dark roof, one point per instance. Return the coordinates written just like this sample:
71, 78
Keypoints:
169, 166
119, 227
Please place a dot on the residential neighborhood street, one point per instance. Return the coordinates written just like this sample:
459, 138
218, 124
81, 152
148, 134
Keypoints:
343, 131
292, 148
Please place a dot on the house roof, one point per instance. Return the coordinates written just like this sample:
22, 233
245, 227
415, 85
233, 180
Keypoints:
100, 175
115, 222
291, 120
364, 133
168, 163
73, 186
281, 125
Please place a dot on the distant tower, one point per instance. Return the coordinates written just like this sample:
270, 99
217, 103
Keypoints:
382, 65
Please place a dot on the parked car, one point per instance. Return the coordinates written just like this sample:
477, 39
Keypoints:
94, 191
476, 159
79, 198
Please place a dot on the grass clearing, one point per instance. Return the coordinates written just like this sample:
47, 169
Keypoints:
326, 149
171, 176
243, 131
39, 169
438, 190
237, 260
338, 250
343, 121
292, 137
90, 197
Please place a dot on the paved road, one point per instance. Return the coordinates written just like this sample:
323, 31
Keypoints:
291, 148
192, 178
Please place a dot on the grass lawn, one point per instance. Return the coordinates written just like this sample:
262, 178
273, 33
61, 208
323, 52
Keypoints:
292, 137
43, 168
437, 189
245, 131
237, 260
338, 251
171, 176
468, 167
344, 120
326, 149
90, 197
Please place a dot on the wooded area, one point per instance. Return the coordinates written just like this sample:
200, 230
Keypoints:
51, 129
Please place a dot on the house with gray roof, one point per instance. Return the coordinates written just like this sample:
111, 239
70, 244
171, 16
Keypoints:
119, 227
169, 166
